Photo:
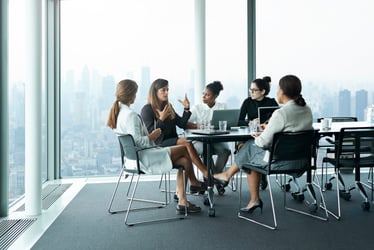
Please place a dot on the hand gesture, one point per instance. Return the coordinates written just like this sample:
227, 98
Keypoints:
155, 134
185, 102
163, 114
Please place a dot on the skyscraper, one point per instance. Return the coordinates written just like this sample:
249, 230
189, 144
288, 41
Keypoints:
344, 108
361, 104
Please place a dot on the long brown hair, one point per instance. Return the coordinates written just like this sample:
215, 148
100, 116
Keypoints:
152, 96
291, 87
125, 93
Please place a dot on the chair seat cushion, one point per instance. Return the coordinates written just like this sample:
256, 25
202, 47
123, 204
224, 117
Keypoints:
350, 162
295, 168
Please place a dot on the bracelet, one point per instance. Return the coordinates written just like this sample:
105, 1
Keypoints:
187, 109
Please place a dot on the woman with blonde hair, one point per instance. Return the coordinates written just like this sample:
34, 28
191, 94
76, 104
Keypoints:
158, 113
156, 160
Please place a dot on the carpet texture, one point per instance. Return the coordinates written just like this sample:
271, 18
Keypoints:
86, 224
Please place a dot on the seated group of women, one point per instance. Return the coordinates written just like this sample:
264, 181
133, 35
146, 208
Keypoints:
158, 121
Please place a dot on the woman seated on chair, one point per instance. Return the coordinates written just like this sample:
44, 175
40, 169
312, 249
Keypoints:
155, 160
258, 92
293, 116
204, 112
159, 113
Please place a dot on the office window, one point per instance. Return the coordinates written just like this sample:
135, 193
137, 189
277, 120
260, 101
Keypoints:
17, 68
103, 44
328, 44
226, 49
142, 40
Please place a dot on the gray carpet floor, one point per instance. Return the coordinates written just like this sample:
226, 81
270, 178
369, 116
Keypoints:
86, 224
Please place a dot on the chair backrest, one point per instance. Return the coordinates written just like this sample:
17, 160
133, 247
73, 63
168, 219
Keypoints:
340, 119
129, 151
293, 147
360, 141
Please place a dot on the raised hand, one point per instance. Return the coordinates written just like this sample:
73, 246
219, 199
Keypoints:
185, 102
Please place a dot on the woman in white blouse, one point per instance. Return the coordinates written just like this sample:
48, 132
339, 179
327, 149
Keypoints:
295, 115
123, 120
204, 112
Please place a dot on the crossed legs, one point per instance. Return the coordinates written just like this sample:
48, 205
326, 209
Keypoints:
253, 180
179, 156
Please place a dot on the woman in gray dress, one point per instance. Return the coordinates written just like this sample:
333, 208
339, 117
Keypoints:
156, 160
294, 115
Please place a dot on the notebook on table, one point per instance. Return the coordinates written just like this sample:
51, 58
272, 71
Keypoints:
229, 115
264, 113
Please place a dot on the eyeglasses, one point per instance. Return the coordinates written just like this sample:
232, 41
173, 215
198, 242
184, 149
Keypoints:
254, 90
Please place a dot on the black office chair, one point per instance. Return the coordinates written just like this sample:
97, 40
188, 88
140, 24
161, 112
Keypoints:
354, 148
130, 152
327, 143
291, 153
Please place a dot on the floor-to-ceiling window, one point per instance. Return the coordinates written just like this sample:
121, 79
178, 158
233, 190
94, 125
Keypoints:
328, 44
17, 68
103, 42
226, 48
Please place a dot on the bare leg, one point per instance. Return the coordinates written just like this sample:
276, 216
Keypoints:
228, 174
193, 155
253, 179
179, 156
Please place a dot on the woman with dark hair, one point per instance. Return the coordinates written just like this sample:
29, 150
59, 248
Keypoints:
155, 160
159, 113
258, 92
204, 112
293, 116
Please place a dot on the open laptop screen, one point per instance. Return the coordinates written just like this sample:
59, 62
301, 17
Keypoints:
264, 113
229, 115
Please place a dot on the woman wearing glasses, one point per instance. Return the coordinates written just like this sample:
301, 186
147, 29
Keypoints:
258, 92
295, 115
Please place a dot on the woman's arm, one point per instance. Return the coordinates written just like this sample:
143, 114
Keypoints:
276, 124
243, 114
150, 120
136, 128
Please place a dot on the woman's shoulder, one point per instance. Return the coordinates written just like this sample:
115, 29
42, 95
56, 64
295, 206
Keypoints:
147, 106
268, 101
146, 109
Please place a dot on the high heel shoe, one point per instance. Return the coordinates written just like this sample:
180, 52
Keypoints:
221, 182
250, 210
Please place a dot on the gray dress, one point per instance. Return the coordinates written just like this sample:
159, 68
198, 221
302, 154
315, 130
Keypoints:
290, 117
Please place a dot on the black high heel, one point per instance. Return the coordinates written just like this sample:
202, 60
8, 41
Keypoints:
223, 183
250, 210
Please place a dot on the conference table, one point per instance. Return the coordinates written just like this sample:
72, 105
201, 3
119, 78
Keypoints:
211, 137
337, 126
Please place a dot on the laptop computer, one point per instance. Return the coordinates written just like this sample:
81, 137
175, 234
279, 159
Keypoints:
264, 113
229, 115
209, 132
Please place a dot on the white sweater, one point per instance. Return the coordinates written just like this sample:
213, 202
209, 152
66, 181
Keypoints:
290, 118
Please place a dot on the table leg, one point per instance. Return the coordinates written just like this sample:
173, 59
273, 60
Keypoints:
210, 183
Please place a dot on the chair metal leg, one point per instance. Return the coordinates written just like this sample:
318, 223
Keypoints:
313, 206
241, 216
336, 215
114, 194
162, 204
